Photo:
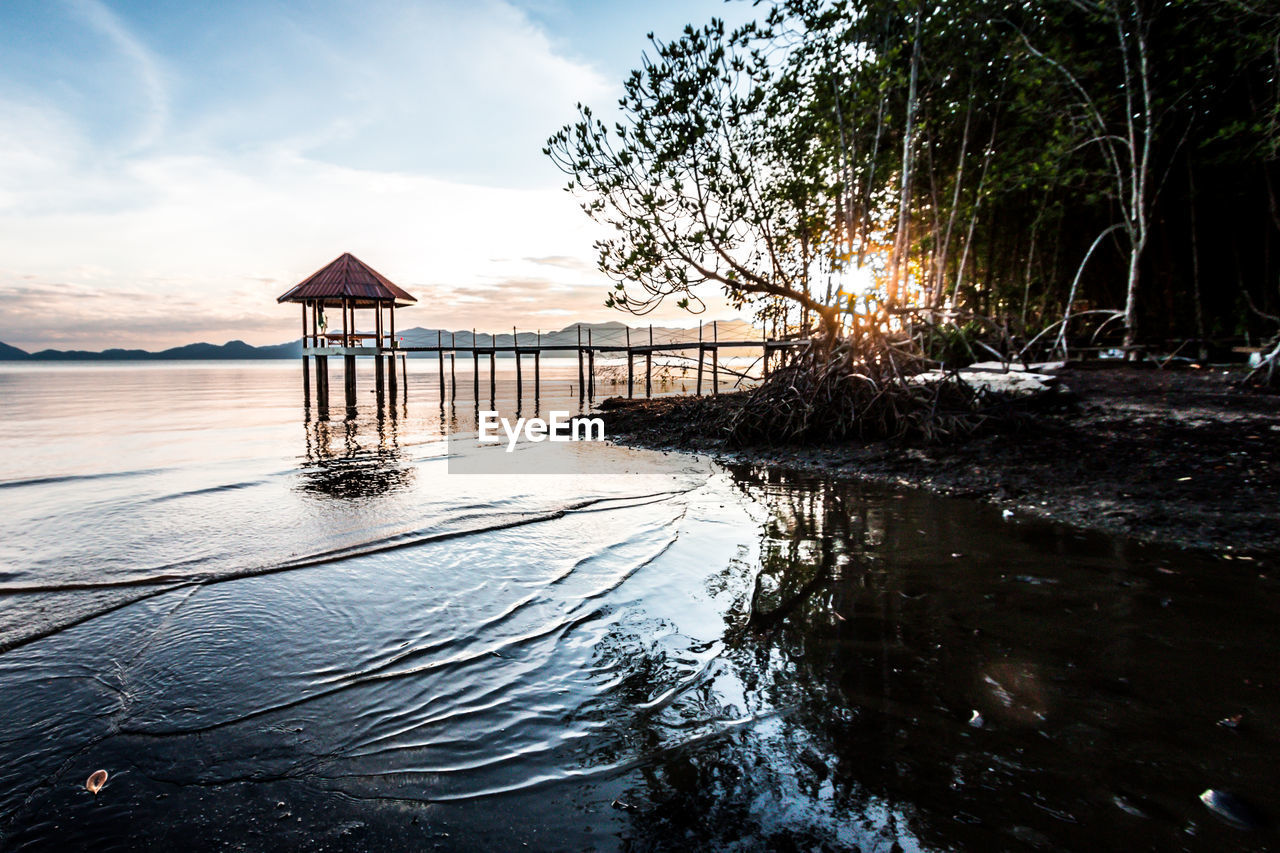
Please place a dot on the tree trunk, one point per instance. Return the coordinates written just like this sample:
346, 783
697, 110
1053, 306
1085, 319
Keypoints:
1195, 262
1131, 299
902, 239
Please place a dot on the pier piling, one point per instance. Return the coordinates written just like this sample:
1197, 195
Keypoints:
515, 347
591, 368
379, 381
630, 367
322, 385
349, 380
648, 366
440, 360
582, 382
715, 359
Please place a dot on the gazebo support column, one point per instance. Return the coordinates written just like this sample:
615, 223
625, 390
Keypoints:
348, 358
379, 379
322, 386
306, 373
350, 370
391, 376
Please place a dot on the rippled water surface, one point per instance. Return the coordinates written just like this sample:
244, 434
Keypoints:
282, 632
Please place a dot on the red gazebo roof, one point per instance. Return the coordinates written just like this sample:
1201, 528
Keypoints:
348, 277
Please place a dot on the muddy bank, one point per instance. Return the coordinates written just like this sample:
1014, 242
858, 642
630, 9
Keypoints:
1184, 457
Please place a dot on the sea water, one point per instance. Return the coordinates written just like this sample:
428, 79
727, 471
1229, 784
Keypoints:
277, 630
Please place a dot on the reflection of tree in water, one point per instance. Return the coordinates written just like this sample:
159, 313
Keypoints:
753, 752
835, 712
354, 458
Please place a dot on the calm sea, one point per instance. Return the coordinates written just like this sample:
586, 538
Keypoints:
278, 631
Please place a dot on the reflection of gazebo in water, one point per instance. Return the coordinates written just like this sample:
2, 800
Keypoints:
348, 284
347, 461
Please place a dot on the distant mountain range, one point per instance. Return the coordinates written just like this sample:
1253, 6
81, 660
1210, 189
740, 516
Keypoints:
607, 334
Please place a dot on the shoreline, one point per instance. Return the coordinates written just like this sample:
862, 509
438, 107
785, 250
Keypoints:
1172, 457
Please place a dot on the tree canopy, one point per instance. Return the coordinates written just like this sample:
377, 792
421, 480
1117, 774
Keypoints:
1017, 160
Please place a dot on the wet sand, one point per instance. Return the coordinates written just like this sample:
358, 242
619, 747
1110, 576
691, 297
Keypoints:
1184, 457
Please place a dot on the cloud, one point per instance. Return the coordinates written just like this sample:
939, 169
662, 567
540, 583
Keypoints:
227, 236
563, 262
404, 132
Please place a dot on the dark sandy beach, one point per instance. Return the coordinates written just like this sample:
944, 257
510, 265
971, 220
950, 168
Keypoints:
1186, 457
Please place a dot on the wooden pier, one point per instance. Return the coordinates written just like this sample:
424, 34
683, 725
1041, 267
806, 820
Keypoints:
348, 284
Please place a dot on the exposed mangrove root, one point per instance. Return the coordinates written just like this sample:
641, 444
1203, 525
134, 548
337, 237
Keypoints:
866, 386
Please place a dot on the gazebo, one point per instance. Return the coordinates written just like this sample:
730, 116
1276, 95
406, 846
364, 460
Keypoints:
347, 284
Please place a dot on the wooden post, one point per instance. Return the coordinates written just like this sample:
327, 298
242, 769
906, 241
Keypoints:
515, 346
475, 368
493, 379
582, 382
393, 332
377, 325
648, 366
404, 374
440, 361
701, 358
391, 377
379, 380
715, 359
537, 372
349, 362
453, 376
764, 359
322, 385
630, 367
591, 368
306, 381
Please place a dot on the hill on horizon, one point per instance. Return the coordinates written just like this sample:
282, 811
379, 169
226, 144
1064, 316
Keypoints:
608, 333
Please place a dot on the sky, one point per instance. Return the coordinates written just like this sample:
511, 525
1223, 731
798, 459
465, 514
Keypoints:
167, 169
